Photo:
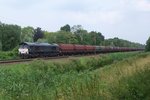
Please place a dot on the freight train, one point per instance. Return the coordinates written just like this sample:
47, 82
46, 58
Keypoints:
32, 50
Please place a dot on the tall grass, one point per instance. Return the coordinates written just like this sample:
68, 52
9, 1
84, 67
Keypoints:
135, 87
5, 55
77, 79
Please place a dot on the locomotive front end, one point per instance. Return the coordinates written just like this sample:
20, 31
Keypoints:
23, 51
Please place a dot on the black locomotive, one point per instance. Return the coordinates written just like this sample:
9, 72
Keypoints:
27, 49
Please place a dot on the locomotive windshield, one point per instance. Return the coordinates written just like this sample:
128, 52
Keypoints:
23, 46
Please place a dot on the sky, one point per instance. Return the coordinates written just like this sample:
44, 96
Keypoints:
126, 19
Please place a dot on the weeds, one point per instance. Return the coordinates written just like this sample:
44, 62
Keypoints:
135, 87
9, 54
76, 79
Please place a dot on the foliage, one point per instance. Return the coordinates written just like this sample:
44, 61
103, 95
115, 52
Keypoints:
61, 37
9, 54
10, 36
121, 43
147, 48
81, 36
27, 34
38, 34
1, 36
96, 38
0, 45
42, 41
77, 36
66, 28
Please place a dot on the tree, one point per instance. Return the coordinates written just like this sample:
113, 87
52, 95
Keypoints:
38, 34
147, 48
96, 38
10, 36
82, 36
121, 43
42, 40
65, 37
27, 34
79, 33
76, 28
1, 36
66, 28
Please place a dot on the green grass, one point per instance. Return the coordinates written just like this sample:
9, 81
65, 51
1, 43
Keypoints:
106, 77
135, 87
6, 55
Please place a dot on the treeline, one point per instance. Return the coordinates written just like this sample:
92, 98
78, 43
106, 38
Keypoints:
75, 35
121, 43
12, 35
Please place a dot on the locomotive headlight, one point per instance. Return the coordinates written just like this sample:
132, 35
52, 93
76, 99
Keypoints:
26, 51
23, 51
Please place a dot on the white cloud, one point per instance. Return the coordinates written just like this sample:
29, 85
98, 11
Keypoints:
143, 5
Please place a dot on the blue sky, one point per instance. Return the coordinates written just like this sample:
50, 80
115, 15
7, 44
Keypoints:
126, 19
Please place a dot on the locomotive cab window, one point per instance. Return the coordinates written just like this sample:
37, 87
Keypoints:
23, 46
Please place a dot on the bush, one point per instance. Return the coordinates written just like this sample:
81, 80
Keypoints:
9, 54
147, 48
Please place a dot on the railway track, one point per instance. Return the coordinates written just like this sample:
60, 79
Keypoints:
44, 58
14, 61
28, 60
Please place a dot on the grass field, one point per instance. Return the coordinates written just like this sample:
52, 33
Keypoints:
114, 76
